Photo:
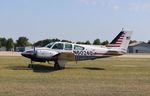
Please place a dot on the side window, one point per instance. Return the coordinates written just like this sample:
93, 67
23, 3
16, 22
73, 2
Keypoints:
58, 46
68, 46
76, 47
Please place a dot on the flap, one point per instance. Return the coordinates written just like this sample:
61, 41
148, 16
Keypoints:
69, 56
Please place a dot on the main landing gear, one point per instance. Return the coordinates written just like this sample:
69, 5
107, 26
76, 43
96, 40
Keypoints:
59, 64
30, 65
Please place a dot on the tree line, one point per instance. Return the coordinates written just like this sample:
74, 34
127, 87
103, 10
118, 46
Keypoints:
42, 43
10, 44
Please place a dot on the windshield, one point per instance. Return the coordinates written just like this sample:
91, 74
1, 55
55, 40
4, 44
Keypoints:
58, 46
49, 45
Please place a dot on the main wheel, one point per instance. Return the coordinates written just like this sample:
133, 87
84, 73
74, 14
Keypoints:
56, 66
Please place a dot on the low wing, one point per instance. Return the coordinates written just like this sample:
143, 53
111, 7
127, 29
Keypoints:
67, 56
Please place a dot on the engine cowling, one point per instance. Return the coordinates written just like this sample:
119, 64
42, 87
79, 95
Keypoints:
46, 53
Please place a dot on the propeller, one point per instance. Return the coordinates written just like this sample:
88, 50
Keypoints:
34, 51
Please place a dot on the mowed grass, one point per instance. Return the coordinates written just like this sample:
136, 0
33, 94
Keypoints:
103, 77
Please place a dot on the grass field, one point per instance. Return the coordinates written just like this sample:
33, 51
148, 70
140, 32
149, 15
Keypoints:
104, 77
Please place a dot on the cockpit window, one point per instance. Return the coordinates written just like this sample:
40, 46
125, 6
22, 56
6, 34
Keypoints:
76, 47
58, 46
68, 46
49, 45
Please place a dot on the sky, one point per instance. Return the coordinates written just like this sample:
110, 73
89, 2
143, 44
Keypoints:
75, 20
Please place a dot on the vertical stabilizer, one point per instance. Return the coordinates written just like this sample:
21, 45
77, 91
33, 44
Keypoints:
121, 41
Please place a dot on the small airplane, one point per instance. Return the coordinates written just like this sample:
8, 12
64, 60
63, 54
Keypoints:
62, 52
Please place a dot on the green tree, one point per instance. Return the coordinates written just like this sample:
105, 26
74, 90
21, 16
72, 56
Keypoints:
96, 42
66, 41
44, 42
87, 42
22, 42
79, 42
10, 44
3, 41
132, 41
0, 44
105, 42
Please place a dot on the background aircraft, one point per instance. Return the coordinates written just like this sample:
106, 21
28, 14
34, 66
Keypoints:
62, 52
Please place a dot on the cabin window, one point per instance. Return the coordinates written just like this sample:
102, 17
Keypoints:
68, 46
49, 45
58, 46
76, 47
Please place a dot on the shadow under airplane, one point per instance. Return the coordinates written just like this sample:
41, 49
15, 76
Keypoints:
45, 68
35, 68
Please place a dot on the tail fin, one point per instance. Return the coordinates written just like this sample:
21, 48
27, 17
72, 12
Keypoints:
121, 41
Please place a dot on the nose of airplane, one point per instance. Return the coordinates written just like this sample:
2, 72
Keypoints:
28, 54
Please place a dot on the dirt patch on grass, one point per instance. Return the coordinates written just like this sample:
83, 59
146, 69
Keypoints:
9, 53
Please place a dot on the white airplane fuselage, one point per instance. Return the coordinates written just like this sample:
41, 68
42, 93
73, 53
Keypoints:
61, 52
87, 53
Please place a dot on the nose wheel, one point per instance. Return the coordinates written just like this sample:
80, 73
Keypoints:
30, 65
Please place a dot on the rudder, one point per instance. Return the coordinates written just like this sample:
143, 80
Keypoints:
121, 41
